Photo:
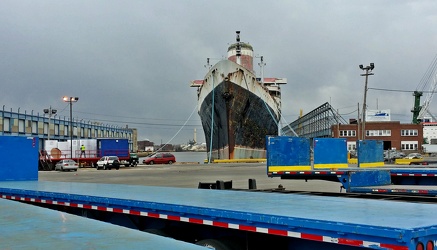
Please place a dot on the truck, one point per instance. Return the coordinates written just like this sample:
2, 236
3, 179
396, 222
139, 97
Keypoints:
218, 219
95, 149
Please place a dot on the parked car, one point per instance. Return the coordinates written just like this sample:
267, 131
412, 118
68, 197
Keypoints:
392, 155
414, 156
160, 158
108, 162
66, 164
133, 159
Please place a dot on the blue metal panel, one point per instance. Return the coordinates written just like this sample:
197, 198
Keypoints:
113, 146
370, 153
19, 158
330, 153
360, 178
288, 151
30, 227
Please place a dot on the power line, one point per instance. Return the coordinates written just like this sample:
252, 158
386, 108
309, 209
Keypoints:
398, 90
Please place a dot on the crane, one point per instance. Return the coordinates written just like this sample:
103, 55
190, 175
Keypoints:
430, 77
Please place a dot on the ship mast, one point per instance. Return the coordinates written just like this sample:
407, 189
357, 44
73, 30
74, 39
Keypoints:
238, 49
261, 68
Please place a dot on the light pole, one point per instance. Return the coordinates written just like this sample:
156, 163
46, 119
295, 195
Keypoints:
368, 73
71, 100
50, 112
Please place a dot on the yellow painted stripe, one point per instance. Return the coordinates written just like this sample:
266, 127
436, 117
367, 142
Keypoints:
288, 168
333, 165
407, 161
371, 164
352, 161
238, 160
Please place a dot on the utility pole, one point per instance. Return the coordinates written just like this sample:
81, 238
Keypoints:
368, 73
50, 112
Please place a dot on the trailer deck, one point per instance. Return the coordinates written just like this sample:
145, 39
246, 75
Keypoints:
25, 226
353, 222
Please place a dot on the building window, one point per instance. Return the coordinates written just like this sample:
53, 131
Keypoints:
378, 132
409, 145
46, 128
351, 146
21, 128
56, 129
66, 130
348, 133
34, 127
409, 132
6, 125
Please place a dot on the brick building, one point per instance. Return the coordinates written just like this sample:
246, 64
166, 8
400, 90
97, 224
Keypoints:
404, 137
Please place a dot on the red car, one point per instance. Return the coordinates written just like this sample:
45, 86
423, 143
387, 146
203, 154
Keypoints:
160, 158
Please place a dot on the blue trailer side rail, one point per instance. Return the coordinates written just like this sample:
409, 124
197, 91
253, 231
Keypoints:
400, 178
355, 222
397, 189
25, 226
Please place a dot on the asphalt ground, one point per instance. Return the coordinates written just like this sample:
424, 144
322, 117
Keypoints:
188, 176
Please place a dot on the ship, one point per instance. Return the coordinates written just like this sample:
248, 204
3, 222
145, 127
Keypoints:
237, 108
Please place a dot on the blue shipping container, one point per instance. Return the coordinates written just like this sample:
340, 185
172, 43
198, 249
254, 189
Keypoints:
19, 156
113, 147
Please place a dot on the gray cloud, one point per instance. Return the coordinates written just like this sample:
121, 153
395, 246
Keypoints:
130, 62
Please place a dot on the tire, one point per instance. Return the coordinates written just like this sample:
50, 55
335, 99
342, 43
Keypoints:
104, 167
213, 244
151, 163
62, 169
170, 162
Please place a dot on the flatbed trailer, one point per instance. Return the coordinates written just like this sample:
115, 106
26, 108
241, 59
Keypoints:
221, 219
250, 220
398, 175
25, 226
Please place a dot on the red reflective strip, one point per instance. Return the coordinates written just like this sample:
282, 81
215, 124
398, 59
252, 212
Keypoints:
154, 215
393, 247
87, 206
49, 202
247, 228
174, 217
220, 224
74, 205
350, 242
277, 232
312, 237
194, 220
101, 208
117, 210
134, 212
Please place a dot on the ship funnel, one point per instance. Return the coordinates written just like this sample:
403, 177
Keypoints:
241, 53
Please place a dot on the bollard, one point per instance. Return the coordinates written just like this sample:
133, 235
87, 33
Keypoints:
252, 184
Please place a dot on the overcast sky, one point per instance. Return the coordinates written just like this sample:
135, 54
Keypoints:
131, 62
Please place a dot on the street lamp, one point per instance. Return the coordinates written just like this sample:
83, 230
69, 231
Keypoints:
50, 112
71, 100
368, 73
